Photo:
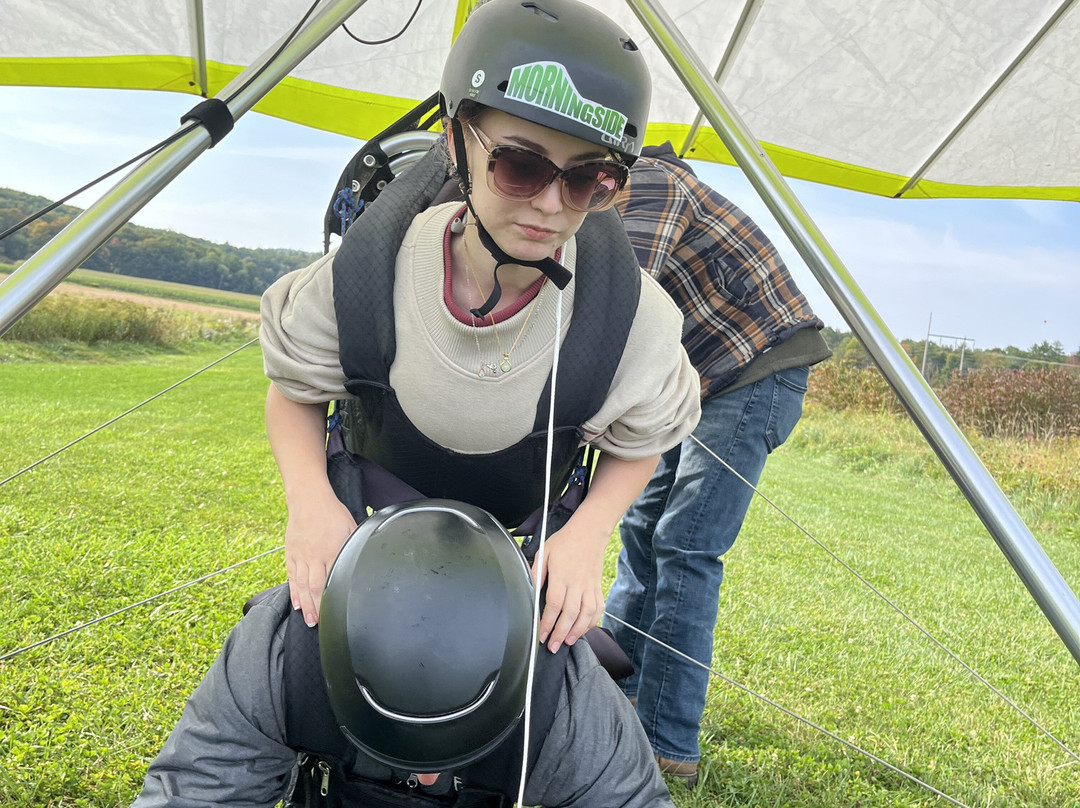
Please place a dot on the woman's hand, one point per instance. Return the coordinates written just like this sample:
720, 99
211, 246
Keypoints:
316, 531
318, 523
573, 565
574, 556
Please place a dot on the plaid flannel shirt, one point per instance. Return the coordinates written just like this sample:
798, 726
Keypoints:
718, 266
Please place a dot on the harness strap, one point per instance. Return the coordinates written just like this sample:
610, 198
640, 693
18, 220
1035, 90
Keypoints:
606, 298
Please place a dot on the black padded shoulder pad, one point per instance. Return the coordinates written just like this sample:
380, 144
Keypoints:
364, 267
606, 295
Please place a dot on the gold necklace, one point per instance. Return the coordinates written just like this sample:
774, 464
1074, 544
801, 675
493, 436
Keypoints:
505, 365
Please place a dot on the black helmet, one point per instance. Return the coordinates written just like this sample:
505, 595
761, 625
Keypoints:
558, 63
425, 634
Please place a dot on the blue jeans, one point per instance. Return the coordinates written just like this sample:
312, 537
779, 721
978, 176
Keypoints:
670, 566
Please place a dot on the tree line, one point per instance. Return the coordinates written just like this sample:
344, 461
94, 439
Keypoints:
942, 362
147, 252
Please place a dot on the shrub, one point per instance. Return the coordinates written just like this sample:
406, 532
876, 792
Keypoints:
101, 320
1042, 404
840, 387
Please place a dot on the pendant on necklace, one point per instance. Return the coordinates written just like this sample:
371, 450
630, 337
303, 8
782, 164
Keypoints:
487, 369
505, 365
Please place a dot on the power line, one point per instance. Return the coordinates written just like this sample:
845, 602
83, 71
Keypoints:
111, 421
895, 607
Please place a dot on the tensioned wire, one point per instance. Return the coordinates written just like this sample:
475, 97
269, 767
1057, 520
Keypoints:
113, 420
792, 713
539, 558
137, 604
892, 605
187, 127
179, 133
724, 678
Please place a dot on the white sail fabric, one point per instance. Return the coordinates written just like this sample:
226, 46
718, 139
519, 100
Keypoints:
930, 98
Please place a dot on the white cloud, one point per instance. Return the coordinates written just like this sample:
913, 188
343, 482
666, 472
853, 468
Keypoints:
1041, 211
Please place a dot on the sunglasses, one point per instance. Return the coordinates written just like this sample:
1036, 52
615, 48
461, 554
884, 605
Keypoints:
521, 174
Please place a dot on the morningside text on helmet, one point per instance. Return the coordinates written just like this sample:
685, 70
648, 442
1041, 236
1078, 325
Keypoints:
425, 635
557, 63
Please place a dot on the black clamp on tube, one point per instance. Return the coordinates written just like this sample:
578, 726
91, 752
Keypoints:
213, 113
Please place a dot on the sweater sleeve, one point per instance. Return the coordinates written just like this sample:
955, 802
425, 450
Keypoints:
596, 752
655, 397
227, 748
299, 335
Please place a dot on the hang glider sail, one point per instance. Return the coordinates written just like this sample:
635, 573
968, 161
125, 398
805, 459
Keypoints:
915, 100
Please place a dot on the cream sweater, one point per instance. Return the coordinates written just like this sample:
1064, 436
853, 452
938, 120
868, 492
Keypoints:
653, 402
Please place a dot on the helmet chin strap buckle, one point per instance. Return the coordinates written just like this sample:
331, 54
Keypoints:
558, 274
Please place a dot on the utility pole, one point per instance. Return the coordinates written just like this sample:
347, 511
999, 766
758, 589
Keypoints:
926, 345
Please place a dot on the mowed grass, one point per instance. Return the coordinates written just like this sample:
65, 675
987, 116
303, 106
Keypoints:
187, 485
797, 627
181, 488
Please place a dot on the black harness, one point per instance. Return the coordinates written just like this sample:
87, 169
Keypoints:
376, 456
508, 483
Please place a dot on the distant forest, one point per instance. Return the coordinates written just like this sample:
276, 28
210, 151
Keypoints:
940, 363
146, 252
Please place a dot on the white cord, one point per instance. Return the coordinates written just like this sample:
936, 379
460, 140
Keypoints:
539, 558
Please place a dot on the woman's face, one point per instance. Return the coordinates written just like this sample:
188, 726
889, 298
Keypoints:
533, 229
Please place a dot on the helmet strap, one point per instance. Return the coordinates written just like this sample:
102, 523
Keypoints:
559, 274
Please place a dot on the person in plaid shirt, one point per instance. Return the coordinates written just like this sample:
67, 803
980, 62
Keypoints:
751, 336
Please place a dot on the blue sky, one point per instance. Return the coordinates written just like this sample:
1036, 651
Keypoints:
1000, 272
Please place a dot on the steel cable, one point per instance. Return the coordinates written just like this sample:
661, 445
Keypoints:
127, 412
794, 715
129, 607
925, 632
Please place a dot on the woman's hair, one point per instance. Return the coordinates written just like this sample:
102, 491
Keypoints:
469, 111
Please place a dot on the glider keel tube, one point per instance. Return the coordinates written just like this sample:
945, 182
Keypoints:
1044, 582
41, 273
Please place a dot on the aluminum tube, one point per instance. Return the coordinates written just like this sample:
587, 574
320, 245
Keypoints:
40, 273
408, 142
1035, 569
196, 22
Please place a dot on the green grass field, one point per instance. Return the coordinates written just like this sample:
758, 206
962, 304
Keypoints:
186, 486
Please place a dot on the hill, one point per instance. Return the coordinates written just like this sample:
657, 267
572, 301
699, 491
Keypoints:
147, 252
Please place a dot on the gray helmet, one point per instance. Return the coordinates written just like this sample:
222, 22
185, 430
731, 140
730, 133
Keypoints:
425, 635
558, 63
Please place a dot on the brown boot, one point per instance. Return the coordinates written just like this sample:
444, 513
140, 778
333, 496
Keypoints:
686, 772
